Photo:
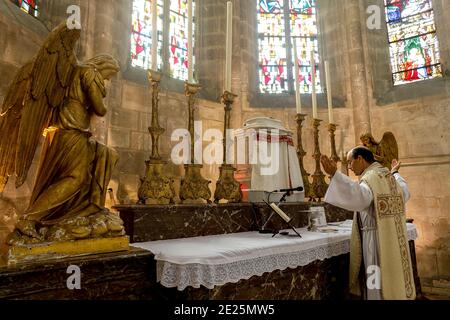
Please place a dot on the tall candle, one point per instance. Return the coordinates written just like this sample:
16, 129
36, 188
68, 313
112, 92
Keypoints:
154, 35
229, 42
313, 79
298, 101
190, 46
329, 97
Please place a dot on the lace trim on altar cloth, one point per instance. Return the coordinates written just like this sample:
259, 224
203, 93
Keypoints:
172, 275
181, 276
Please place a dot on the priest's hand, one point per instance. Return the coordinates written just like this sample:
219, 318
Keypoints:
329, 165
395, 166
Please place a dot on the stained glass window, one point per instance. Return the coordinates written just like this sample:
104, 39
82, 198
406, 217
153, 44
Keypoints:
141, 37
279, 22
179, 39
29, 6
413, 42
176, 50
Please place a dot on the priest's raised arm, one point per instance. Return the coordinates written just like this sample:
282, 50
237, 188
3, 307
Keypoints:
348, 194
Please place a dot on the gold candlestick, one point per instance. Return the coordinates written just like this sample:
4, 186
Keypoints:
227, 187
332, 129
301, 153
319, 186
155, 187
193, 185
155, 130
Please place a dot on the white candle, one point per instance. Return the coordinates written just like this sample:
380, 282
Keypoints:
329, 97
298, 101
190, 46
154, 35
229, 42
313, 79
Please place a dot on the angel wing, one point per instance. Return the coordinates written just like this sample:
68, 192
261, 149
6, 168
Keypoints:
38, 88
384, 151
389, 149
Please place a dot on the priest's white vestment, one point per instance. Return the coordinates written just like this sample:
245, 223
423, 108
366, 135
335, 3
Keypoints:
358, 197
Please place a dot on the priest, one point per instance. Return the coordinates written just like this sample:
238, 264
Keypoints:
380, 262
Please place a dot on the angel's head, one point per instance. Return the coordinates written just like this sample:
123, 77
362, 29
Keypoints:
105, 64
367, 139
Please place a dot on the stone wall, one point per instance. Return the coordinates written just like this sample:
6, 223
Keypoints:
362, 92
128, 133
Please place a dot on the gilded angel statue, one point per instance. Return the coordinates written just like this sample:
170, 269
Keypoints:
384, 151
55, 95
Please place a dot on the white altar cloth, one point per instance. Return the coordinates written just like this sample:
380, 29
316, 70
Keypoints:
227, 258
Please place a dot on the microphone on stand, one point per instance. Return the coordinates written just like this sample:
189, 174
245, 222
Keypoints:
289, 190
276, 209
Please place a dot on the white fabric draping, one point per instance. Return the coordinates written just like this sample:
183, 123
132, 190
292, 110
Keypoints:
282, 170
219, 259
274, 161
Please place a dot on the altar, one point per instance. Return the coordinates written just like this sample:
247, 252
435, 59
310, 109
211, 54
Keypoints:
215, 251
198, 252
230, 259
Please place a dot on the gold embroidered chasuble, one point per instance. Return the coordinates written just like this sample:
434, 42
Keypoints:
397, 282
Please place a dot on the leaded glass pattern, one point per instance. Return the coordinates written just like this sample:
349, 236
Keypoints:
413, 42
29, 6
173, 54
279, 22
141, 36
178, 48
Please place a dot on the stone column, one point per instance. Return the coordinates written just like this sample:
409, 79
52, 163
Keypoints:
110, 34
358, 80
104, 21
210, 47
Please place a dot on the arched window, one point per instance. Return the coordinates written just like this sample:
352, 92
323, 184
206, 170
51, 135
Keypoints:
141, 35
279, 22
413, 42
178, 47
29, 6
172, 51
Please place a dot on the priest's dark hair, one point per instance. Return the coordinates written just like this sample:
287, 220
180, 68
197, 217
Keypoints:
364, 152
